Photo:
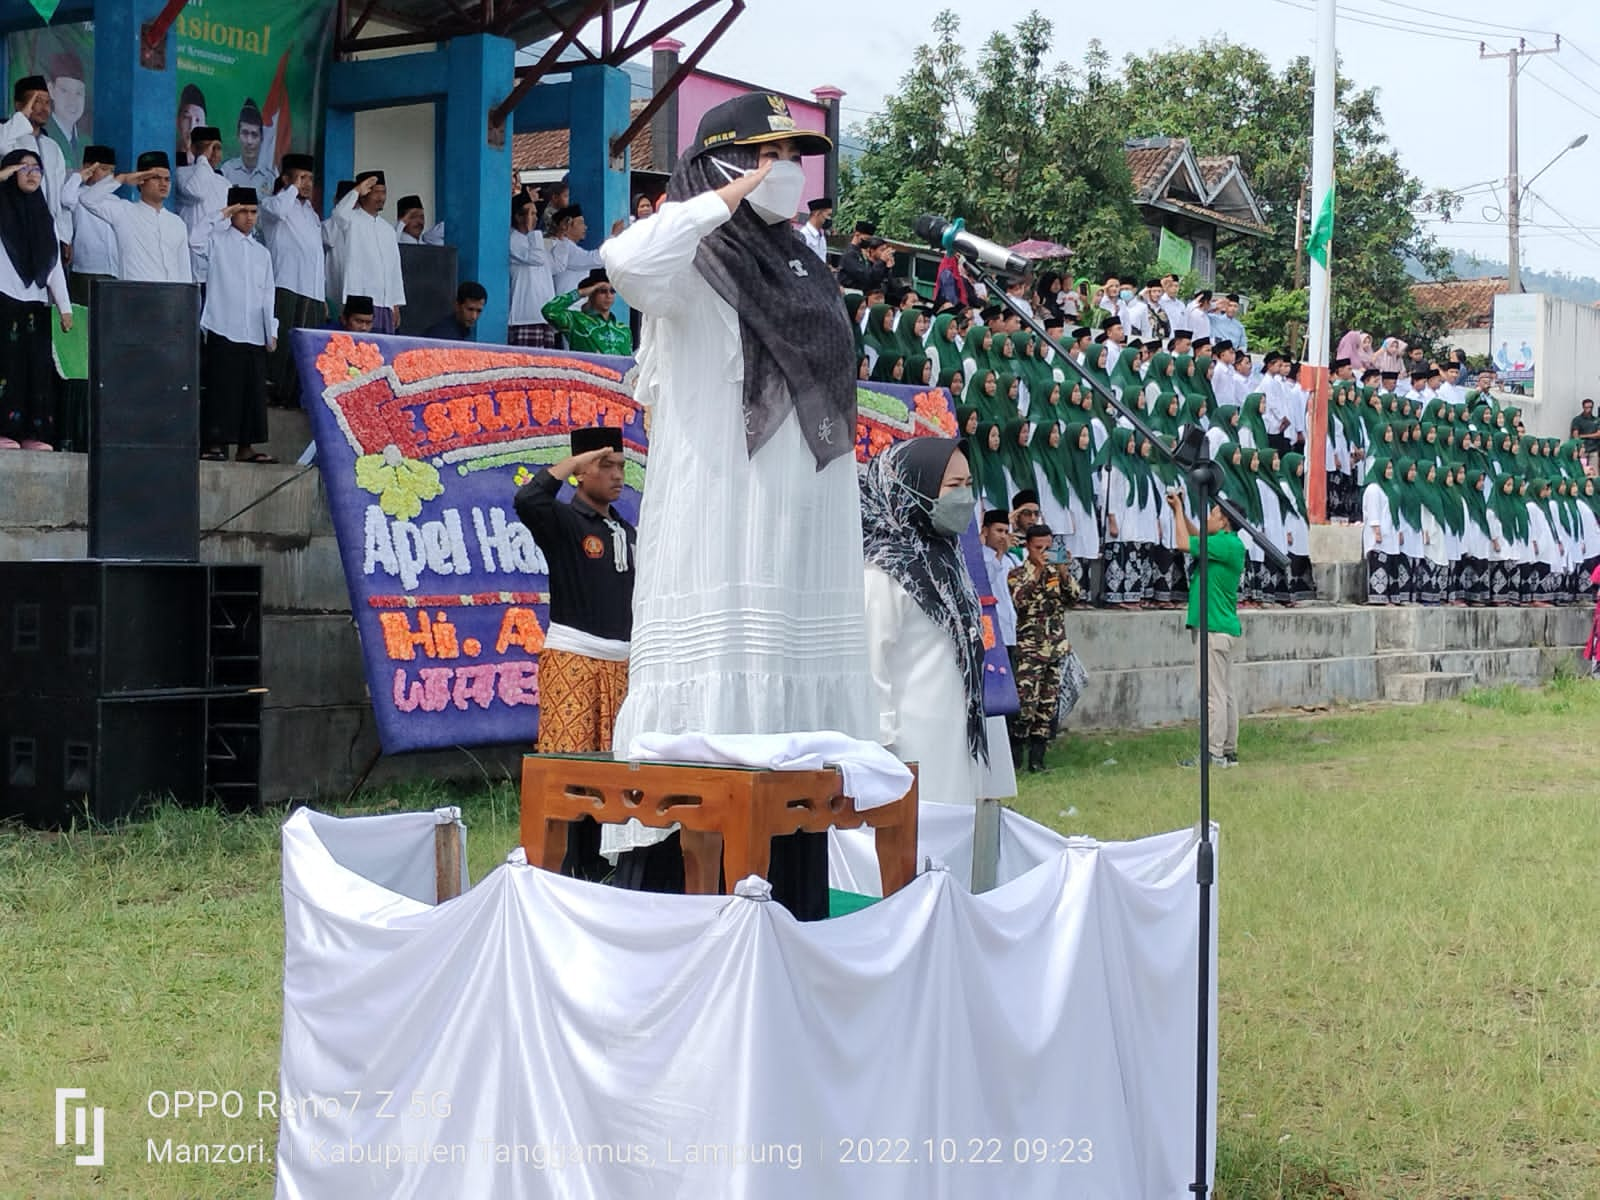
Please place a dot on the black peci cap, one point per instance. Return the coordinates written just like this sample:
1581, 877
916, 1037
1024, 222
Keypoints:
751, 120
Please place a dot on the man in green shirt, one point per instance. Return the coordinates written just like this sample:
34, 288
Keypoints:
1586, 429
592, 329
1226, 553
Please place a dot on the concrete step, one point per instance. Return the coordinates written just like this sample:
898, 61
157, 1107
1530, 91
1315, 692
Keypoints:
1425, 687
289, 433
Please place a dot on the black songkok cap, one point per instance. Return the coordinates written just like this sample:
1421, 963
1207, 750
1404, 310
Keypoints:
996, 516
750, 120
1340, 362
407, 203
358, 306
1105, 326
201, 134
99, 154
243, 195
1025, 496
152, 159
378, 175
26, 86
1222, 346
820, 203
597, 437
298, 162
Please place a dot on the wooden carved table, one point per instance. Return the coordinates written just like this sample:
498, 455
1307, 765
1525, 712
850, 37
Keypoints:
738, 810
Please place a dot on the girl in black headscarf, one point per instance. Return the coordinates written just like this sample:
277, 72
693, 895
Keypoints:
31, 279
924, 625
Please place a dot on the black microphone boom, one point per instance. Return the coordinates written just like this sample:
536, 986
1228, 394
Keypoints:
953, 237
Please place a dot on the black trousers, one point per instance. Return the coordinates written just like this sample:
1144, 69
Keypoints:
233, 405
28, 371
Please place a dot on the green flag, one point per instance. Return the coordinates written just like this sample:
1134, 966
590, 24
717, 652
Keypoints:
1322, 231
1174, 255
46, 8
72, 349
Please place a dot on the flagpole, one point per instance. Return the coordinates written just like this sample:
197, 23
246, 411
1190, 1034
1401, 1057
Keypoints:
1320, 250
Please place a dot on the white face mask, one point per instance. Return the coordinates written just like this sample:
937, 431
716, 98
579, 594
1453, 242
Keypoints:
777, 197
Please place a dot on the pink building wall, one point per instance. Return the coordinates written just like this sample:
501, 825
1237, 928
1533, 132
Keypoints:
699, 93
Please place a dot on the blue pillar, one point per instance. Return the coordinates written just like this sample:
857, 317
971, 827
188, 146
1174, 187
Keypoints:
477, 186
338, 153
135, 108
600, 112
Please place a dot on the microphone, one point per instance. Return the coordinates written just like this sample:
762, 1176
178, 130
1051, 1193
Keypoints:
953, 236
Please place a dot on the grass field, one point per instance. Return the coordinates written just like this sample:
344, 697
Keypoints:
1410, 956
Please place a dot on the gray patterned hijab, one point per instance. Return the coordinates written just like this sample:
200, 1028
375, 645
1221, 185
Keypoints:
898, 489
799, 351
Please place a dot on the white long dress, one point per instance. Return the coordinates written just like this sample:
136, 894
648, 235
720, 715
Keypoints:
747, 608
919, 695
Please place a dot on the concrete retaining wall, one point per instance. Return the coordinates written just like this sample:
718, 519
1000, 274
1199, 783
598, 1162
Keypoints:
318, 727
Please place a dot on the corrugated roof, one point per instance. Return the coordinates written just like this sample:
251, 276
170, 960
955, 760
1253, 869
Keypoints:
1461, 303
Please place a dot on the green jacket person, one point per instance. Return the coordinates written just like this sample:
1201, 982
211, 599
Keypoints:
591, 329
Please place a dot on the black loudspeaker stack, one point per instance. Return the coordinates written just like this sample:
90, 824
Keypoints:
133, 676
125, 683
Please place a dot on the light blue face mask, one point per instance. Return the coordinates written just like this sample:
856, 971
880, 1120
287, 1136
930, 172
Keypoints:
952, 512
1126, 293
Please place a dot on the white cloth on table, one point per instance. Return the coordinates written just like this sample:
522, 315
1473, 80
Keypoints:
871, 776
747, 610
152, 243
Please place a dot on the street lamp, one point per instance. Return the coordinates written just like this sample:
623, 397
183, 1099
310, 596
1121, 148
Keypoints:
1514, 206
1572, 145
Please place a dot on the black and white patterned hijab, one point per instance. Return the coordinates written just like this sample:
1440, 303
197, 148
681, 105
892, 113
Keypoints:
898, 489
799, 352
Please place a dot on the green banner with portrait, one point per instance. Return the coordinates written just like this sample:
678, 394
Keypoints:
253, 68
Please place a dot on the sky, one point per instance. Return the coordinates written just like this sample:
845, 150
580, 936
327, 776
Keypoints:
1444, 109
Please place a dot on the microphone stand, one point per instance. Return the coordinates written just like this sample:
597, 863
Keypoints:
1190, 454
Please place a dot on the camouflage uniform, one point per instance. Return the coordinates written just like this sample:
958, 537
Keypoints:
1042, 597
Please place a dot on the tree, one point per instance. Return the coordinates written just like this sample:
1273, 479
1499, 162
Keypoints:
1227, 99
1023, 148
1018, 147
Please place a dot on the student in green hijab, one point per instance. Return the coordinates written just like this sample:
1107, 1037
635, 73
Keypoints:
983, 393
966, 420
1508, 539
1014, 435
1380, 533
988, 468
889, 368
942, 344
1077, 454
1125, 380
1131, 524
1050, 481
1292, 479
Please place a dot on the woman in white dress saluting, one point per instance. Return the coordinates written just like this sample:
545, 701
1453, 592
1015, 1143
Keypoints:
748, 605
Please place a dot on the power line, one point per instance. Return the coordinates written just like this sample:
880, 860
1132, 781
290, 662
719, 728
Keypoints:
1563, 66
1550, 87
1433, 12
1584, 53
1566, 221
1384, 24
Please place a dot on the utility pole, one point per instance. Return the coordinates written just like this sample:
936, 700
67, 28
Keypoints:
1514, 57
1320, 250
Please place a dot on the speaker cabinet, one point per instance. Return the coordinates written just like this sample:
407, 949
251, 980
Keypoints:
144, 429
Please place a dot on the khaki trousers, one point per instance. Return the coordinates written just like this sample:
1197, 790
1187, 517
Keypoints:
1222, 709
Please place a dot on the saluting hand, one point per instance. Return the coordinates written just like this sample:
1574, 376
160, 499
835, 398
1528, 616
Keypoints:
733, 193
